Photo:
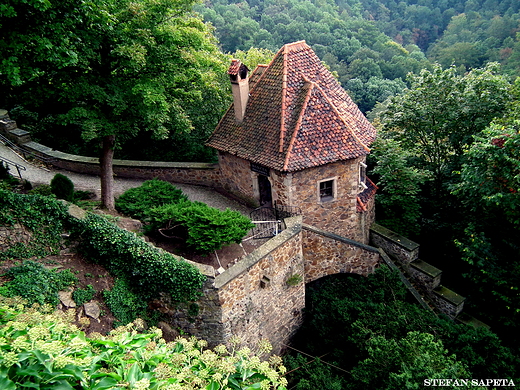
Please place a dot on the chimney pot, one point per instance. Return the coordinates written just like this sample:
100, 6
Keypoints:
238, 75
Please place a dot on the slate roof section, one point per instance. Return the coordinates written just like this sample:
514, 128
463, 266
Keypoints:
298, 116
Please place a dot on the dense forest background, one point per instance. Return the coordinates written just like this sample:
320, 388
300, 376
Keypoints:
438, 79
373, 45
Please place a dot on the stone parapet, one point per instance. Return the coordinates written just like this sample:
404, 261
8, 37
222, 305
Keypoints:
253, 299
206, 174
395, 245
426, 274
449, 302
327, 253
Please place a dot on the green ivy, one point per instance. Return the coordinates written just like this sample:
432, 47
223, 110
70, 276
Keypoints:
149, 270
124, 304
32, 281
83, 295
43, 217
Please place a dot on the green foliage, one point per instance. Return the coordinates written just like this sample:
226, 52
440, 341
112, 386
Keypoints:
208, 228
368, 63
42, 189
399, 199
294, 280
62, 187
83, 295
363, 324
490, 177
149, 270
125, 305
396, 364
119, 69
436, 118
136, 202
43, 217
32, 281
41, 350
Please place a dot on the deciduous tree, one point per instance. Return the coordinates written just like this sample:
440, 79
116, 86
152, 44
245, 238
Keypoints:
123, 68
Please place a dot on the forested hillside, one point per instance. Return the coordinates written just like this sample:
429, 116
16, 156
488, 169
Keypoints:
372, 45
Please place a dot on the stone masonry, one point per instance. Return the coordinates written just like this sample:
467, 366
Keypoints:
252, 299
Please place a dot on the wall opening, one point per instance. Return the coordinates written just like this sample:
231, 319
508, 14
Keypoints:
264, 189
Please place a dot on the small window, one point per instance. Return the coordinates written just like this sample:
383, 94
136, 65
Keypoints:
327, 190
362, 176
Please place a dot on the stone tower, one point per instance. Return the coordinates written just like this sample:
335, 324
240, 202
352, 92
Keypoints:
296, 138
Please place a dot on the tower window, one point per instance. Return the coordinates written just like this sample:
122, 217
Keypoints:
327, 190
362, 176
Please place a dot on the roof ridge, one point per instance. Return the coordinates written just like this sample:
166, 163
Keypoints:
284, 90
347, 125
296, 45
299, 121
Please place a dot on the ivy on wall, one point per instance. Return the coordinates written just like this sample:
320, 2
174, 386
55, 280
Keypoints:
149, 270
41, 217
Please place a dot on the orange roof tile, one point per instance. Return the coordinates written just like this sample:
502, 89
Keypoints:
297, 116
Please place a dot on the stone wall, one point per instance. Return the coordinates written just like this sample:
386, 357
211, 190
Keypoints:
327, 254
11, 235
338, 215
403, 249
426, 276
206, 174
238, 179
252, 299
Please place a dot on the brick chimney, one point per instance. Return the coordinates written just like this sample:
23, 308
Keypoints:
238, 74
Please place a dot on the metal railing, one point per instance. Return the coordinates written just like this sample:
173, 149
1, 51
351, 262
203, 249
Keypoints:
17, 166
24, 151
269, 220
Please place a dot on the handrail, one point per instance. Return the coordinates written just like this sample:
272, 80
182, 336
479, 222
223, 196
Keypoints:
18, 166
22, 150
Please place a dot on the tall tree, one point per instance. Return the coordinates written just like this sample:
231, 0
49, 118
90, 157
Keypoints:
437, 117
128, 67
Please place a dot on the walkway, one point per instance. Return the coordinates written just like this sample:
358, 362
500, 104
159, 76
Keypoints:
41, 175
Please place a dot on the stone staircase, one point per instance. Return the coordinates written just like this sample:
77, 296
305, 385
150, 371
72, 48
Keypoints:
425, 277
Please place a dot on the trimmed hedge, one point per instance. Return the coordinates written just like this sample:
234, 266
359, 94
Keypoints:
62, 187
136, 202
208, 228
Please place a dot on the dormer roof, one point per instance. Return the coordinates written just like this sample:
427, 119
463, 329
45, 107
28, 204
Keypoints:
298, 116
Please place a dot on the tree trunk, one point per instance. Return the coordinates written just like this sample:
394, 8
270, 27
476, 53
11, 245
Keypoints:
106, 173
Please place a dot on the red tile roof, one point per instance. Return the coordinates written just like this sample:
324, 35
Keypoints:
364, 197
297, 116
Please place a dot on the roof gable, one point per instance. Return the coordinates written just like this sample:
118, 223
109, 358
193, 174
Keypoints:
297, 116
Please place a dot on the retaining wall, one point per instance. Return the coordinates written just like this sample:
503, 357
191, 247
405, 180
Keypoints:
252, 299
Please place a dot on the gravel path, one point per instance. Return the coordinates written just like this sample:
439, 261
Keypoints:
41, 175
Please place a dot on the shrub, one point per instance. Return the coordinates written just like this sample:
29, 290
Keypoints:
136, 202
35, 283
42, 216
42, 189
82, 296
62, 187
208, 228
41, 350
